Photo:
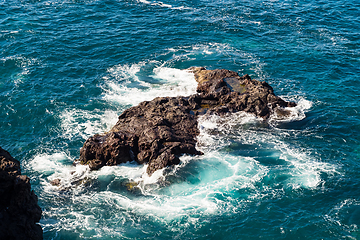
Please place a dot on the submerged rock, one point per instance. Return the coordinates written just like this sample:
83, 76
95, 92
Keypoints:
19, 211
158, 132
56, 182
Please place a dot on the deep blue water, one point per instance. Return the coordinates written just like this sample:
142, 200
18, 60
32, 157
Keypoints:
69, 68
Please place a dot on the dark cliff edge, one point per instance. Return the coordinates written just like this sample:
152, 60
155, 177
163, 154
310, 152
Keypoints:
158, 132
19, 210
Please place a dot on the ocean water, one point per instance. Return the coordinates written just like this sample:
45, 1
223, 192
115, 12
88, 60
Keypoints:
68, 68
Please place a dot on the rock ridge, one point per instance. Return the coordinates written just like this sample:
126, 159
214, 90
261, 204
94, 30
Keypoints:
159, 131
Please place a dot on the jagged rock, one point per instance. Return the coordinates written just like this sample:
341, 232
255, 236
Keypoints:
225, 91
19, 211
155, 132
158, 132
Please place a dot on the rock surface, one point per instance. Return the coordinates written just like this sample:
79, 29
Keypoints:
224, 91
19, 211
158, 132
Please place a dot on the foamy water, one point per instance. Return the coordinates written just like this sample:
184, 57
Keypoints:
171, 82
199, 186
68, 69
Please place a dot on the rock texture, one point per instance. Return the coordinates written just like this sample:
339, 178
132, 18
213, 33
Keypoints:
155, 132
19, 211
158, 132
223, 91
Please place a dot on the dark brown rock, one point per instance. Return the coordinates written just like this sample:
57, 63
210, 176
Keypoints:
158, 132
155, 132
19, 211
228, 92
56, 182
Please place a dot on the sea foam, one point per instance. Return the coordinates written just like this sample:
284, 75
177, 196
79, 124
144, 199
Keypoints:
245, 160
168, 82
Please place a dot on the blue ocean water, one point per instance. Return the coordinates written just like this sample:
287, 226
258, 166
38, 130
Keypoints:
69, 68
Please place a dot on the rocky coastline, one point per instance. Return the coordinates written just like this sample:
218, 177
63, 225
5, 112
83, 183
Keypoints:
158, 132
19, 210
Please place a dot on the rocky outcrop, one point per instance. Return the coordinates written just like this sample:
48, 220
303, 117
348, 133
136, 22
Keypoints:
155, 132
158, 132
19, 211
222, 91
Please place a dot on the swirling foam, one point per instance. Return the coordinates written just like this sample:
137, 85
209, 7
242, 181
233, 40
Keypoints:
297, 113
297, 166
85, 123
123, 84
224, 180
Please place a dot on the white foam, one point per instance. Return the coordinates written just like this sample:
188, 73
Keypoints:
223, 182
58, 167
85, 123
48, 163
127, 73
303, 169
130, 170
212, 184
133, 172
177, 201
161, 4
171, 82
207, 52
295, 113
213, 128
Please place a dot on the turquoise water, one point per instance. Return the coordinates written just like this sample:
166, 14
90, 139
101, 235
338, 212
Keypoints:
69, 68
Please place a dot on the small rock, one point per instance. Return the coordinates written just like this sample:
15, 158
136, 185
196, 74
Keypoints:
56, 182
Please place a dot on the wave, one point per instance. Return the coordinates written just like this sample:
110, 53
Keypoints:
233, 58
85, 123
297, 113
130, 85
161, 4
